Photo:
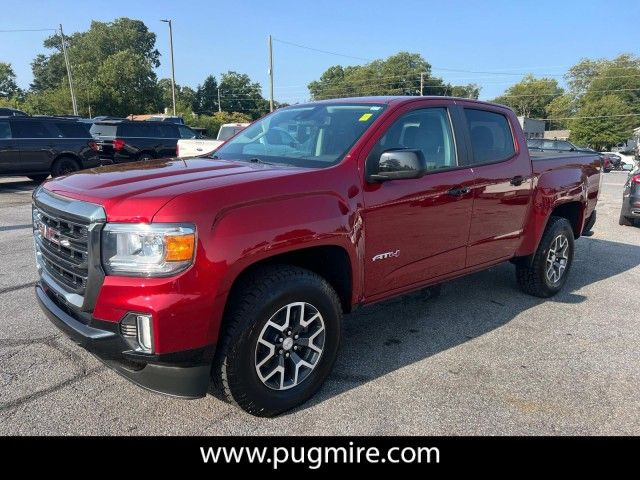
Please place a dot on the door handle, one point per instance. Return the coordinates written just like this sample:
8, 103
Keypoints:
459, 191
517, 180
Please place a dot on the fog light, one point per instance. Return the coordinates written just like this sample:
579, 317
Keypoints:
144, 332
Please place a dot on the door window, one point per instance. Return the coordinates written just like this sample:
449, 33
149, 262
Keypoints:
5, 130
428, 130
31, 129
491, 137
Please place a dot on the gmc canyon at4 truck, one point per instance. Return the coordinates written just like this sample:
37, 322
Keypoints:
238, 267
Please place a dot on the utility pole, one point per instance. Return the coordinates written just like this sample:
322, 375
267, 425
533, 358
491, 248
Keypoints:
219, 104
173, 71
270, 74
422, 83
66, 61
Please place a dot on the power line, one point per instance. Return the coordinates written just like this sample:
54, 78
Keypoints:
594, 116
30, 30
321, 51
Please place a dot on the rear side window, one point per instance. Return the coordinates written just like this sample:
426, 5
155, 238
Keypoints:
168, 130
72, 130
104, 129
491, 137
186, 132
5, 130
31, 129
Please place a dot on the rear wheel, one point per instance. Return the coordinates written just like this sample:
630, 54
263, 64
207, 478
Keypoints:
625, 221
64, 166
38, 178
547, 273
280, 340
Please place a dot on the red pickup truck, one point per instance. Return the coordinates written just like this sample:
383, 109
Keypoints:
239, 267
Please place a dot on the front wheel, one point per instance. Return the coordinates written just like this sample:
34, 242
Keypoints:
280, 339
547, 273
64, 166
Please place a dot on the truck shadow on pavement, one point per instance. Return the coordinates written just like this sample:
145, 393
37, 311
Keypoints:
17, 186
388, 336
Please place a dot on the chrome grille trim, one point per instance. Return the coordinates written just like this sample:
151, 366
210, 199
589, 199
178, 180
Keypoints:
67, 244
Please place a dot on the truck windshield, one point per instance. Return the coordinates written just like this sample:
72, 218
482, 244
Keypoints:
313, 136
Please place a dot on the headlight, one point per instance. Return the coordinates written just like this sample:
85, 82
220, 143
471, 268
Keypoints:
147, 250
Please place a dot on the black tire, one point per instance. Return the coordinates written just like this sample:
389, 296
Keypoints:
625, 221
254, 301
145, 157
591, 221
38, 178
64, 166
532, 277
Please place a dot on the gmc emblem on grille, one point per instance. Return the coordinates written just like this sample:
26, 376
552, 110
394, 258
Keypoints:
49, 233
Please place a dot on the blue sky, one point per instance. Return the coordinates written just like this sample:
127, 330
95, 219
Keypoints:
543, 37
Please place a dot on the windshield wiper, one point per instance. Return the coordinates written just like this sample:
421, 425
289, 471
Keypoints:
259, 160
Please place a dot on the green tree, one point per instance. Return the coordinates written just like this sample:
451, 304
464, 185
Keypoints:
206, 97
185, 96
530, 96
125, 84
603, 74
602, 123
559, 110
8, 85
619, 77
465, 91
95, 57
239, 94
399, 74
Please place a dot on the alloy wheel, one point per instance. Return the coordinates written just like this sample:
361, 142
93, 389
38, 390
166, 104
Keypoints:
290, 346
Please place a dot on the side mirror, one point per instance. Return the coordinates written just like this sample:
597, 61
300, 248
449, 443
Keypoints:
399, 165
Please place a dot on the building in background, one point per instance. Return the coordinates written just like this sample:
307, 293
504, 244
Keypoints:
557, 134
532, 128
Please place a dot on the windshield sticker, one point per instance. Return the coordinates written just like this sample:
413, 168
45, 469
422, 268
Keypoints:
375, 109
365, 117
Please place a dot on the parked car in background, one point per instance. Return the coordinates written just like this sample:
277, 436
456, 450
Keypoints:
37, 147
12, 112
630, 211
204, 146
624, 158
543, 145
126, 141
240, 266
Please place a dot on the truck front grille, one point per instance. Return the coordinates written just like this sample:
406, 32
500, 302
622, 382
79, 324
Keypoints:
64, 248
67, 241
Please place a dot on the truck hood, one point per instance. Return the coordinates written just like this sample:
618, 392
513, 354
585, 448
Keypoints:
134, 192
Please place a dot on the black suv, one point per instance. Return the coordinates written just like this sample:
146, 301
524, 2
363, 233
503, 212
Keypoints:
127, 141
38, 146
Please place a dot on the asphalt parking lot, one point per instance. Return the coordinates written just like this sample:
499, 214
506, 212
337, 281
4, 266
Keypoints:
482, 358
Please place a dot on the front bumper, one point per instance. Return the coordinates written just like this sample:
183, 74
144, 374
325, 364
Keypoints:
631, 204
183, 374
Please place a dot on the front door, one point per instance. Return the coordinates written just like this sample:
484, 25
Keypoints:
9, 151
35, 138
417, 229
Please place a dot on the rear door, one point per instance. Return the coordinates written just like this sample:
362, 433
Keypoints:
417, 229
36, 140
170, 135
9, 151
502, 185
